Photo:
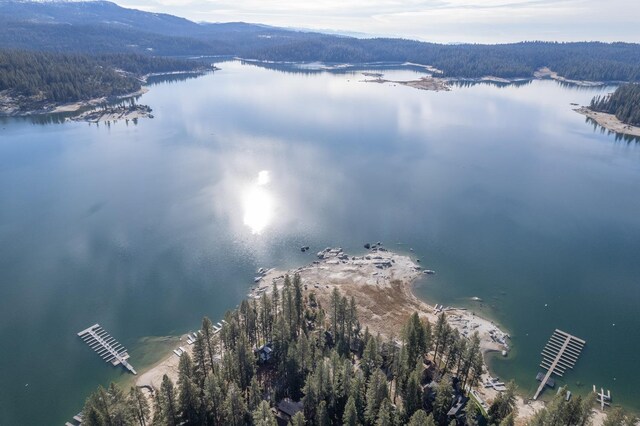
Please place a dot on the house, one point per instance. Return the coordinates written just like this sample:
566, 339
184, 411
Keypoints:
286, 409
264, 353
457, 411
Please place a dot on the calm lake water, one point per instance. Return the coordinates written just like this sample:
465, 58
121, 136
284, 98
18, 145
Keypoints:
506, 192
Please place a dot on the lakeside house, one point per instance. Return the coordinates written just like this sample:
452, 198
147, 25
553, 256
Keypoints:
286, 409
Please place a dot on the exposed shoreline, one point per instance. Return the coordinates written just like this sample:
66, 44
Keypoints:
9, 105
435, 84
12, 106
609, 121
545, 72
382, 282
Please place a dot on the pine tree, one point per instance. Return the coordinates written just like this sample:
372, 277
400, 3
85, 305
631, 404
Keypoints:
503, 405
440, 335
420, 418
297, 299
443, 402
140, 405
254, 394
96, 409
384, 414
297, 420
235, 409
417, 340
200, 357
618, 417
576, 412
168, 401
412, 397
262, 415
350, 417
214, 396
322, 416
377, 391
371, 358
510, 420
188, 400
472, 414
207, 334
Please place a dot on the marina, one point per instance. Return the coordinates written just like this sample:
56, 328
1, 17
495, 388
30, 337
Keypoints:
107, 347
560, 353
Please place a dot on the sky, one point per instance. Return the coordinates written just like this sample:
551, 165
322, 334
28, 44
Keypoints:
445, 21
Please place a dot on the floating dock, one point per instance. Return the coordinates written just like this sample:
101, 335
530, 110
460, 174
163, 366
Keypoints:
560, 353
106, 346
602, 398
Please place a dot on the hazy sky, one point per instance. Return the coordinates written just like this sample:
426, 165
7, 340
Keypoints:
432, 20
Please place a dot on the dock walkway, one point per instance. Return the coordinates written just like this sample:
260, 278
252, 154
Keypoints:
560, 353
106, 346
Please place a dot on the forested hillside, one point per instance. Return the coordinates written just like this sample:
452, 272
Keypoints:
286, 359
57, 77
107, 28
624, 103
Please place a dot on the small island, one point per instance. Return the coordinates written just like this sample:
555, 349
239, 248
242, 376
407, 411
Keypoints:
618, 112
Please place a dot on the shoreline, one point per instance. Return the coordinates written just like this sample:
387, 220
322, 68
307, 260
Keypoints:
382, 282
609, 122
10, 105
70, 107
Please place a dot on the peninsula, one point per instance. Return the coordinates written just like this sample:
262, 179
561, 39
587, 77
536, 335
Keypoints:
618, 111
381, 284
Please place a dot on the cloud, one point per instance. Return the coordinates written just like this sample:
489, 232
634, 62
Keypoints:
435, 20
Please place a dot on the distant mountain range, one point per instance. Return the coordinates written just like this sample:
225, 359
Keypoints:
104, 27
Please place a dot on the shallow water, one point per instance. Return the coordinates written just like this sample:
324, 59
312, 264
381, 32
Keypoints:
506, 192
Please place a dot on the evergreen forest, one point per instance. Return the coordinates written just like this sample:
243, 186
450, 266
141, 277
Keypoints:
71, 77
321, 361
624, 103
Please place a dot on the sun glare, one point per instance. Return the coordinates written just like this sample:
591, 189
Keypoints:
258, 204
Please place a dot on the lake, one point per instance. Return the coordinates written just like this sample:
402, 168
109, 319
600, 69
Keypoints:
144, 228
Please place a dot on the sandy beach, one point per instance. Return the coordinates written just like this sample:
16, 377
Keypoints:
545, 72
609, 122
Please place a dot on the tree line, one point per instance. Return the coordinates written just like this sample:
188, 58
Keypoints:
323, 358
574, 60
65, 77
624, 103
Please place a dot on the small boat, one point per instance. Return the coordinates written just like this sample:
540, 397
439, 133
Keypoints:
257, 279
429, 271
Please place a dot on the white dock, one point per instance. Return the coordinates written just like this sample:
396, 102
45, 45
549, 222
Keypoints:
602, 398
560, 353
106, 346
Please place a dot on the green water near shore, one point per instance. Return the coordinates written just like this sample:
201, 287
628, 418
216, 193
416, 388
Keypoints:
506, 192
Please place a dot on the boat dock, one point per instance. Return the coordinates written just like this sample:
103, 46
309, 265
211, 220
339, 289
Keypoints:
560, 353
106, 346
602, 398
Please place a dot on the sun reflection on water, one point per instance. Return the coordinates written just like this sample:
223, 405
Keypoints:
258, 204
